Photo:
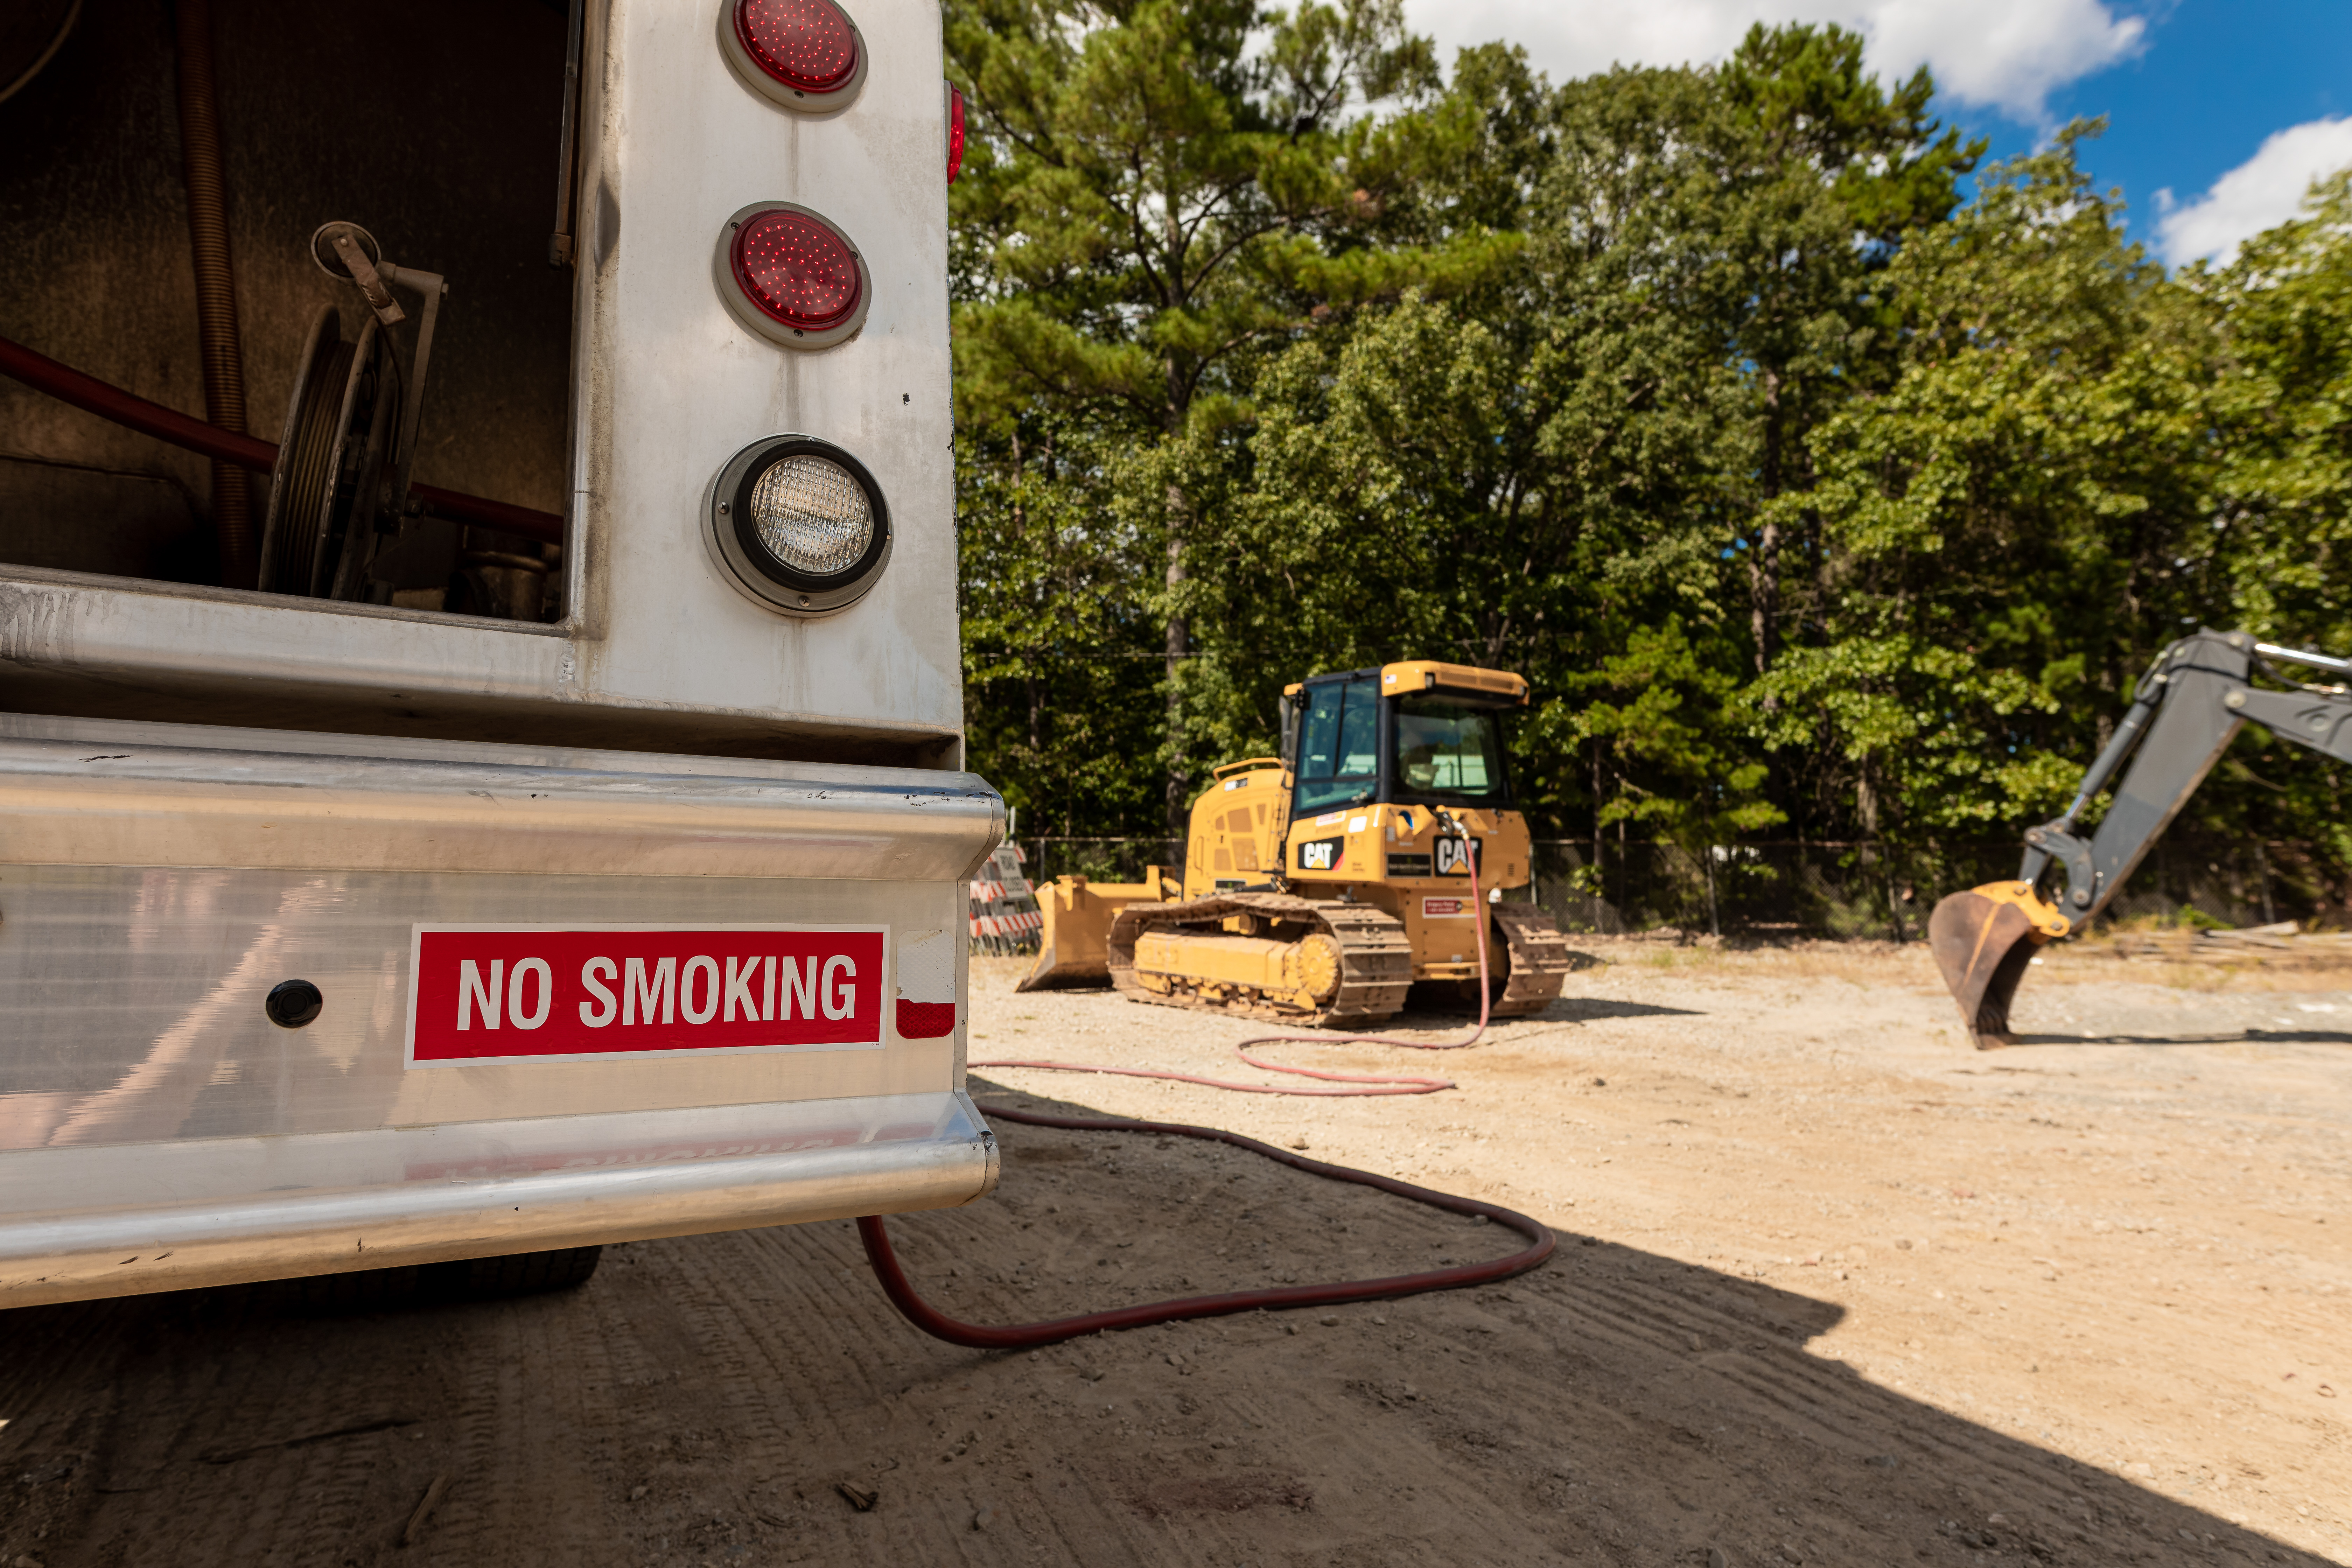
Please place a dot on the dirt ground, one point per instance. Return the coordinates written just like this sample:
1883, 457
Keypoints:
1832, 1288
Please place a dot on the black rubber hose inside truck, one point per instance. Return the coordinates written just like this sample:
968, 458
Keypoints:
221, 355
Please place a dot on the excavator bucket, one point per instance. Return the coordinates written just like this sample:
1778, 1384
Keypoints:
1983, 940
1075, 950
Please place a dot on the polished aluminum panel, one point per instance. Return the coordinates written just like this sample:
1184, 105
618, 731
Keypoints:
79, 792
134, 1000
89, 1222
156, 881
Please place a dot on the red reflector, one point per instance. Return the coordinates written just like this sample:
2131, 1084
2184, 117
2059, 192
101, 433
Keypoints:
809, 45
955, 134
796, 270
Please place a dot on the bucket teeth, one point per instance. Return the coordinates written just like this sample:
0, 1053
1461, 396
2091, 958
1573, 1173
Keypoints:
1983, 940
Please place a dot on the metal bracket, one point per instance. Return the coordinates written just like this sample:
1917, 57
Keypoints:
2053, 843
344, 241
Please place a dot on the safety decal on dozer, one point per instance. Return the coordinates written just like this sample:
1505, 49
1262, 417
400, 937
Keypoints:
481, 994
926, 1007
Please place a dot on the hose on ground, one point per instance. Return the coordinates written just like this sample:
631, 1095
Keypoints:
1028, 1336
222, 354
68, 384
1381, 1083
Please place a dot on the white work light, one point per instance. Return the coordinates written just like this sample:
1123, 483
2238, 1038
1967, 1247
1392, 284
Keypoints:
798, 524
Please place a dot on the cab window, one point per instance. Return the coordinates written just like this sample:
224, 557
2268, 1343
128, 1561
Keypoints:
1338, 747
1448, 755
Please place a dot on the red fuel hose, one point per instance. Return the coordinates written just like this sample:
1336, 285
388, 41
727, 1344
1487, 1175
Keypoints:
1027, 1336
68, 384
1388, 1083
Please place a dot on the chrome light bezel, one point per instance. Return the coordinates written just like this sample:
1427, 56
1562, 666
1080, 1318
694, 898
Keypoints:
783, 94
732, 539
740, 306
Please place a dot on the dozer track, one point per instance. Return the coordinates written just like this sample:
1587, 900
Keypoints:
1357, 964
1537, 957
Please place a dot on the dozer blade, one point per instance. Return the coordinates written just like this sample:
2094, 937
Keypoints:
1048, 973
1983, 940
1075, 947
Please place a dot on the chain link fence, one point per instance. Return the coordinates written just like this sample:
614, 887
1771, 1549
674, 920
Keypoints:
1100, 859
1789, 889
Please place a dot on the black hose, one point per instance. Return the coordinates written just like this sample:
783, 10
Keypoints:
216, 326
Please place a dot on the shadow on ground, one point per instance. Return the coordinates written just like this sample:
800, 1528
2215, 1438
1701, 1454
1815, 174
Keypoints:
732, 1398
2197, 1037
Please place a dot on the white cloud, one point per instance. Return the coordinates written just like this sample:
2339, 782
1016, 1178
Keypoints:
2264, 190
2007, 54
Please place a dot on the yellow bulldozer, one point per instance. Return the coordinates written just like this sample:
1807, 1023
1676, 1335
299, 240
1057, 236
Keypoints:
1318, 886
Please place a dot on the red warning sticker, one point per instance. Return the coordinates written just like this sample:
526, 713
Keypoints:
512, 994
1444, 909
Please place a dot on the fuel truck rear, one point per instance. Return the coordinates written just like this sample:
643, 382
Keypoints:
480, 772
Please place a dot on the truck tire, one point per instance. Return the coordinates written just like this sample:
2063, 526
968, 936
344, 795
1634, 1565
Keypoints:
518, 1274
467, 1279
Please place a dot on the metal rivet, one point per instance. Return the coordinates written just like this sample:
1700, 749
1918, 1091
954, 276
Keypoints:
722, 506
804, 601
2082, 899
2234, 700
292, 1003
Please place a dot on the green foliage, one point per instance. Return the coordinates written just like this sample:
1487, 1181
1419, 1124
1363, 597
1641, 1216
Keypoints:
2000, 526
2284, 494
1810, 500
1150, 201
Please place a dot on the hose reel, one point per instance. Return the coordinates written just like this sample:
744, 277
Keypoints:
324, 492
341, 484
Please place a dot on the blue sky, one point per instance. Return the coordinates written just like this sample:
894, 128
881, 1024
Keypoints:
2219, 112
2212, 82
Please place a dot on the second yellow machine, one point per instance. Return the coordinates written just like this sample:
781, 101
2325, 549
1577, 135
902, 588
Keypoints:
1319, 885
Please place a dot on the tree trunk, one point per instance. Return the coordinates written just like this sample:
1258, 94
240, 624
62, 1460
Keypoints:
1020, 520
1180, 777
1764, 595
1764, 561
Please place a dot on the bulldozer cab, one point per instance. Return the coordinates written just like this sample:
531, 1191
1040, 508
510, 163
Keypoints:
1417, 733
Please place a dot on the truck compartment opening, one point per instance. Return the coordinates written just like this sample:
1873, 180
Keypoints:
185, 194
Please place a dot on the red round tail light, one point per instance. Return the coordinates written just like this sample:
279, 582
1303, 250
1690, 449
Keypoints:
791, 277
805, 54
955, 134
